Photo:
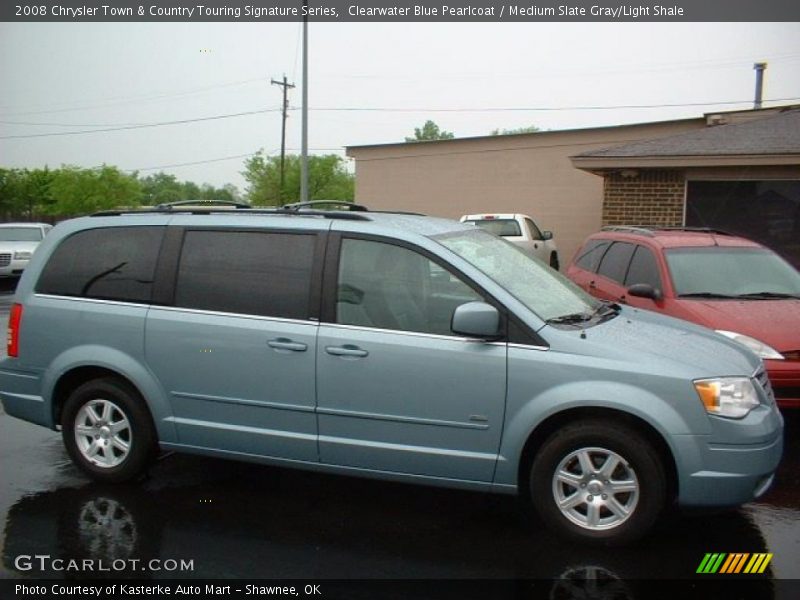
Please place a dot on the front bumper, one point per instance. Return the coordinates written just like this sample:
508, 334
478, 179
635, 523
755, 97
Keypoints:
733, 465
785, 378
9, 267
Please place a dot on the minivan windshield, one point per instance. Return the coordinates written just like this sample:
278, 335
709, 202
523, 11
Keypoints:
543, 290
20, 234
735, 272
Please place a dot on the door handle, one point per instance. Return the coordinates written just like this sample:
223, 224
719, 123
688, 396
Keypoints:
282, 343
346, 350
592, 285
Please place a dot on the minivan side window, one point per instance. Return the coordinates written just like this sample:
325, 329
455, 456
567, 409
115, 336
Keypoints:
643, 269
390, 287
591, 254
615, 262
108, 263
254, 273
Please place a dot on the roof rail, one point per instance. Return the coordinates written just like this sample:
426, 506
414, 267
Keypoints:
166, 206
344, 204
692, 228
629, 229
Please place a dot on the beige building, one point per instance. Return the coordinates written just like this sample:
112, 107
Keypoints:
573, 182
525, 173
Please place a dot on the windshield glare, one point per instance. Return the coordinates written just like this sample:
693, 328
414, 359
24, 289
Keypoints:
544, 291
730, 271
20, 234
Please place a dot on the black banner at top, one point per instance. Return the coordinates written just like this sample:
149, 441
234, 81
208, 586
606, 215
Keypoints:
401, 11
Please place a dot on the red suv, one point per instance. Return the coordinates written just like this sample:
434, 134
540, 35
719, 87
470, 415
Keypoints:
733, 285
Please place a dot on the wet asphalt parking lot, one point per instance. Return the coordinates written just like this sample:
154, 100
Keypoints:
237, 520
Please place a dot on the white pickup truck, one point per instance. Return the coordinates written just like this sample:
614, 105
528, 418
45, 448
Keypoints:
520, 230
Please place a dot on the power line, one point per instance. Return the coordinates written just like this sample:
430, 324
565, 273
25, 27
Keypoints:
224, 158
141, 125
382, 109
124, 100
539, 108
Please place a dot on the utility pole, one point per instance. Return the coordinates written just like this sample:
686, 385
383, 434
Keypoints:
285, 85
304, 142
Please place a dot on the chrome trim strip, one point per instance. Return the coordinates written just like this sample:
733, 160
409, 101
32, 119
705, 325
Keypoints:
529, 347
243, 402
92, 300
406, 448
411, 333
396, 418
216, 313
242, 429
28, 397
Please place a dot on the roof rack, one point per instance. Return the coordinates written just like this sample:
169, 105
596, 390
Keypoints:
167, 206
629, 229
650, 230
344, 209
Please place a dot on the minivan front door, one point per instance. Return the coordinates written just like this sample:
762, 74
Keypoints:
397, 391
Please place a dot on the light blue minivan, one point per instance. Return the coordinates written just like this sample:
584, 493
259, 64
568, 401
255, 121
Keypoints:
384, 345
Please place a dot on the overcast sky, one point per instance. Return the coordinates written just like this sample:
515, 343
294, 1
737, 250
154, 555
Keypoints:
73, 77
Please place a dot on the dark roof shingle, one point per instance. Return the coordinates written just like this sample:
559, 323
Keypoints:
774, 134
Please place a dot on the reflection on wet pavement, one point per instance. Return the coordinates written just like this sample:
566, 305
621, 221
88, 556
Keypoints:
248, 521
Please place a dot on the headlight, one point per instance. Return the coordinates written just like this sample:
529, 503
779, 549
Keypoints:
728, 396
760, 348
23, 255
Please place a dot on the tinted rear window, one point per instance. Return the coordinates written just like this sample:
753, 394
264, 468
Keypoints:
254, 273
112, 263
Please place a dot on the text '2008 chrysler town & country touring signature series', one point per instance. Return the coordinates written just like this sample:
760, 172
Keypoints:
384, 345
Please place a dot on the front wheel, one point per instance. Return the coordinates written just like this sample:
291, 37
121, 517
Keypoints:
554, 260
598, 481
107, 430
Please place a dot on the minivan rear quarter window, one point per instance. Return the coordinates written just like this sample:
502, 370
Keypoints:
110, 263
255, 273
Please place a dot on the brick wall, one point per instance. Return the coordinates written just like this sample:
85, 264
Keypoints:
649, 198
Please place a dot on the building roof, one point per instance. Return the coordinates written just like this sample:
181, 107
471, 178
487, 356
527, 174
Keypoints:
775, 134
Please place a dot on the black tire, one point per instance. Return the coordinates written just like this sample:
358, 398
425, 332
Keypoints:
597, 507
554, 260
98, 449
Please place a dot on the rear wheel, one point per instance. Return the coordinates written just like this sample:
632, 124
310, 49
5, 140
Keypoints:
107, 430
595, 480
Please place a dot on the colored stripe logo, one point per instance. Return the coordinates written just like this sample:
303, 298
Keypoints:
735, 562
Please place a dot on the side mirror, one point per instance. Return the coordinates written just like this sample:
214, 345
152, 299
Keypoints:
645, 290
476, 319
547, 235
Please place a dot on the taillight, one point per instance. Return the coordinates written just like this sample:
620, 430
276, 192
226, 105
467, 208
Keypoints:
14, 320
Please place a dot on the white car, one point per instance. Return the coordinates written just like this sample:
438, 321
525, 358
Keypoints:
520, 230
17, 243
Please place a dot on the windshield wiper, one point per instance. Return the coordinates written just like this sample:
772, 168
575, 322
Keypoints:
571, 318
705, 295
603, 309
758, 295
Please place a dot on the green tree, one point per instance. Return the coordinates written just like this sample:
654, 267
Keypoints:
78, 191
429, 132
528, 129
328, 179
25, 193
160, 188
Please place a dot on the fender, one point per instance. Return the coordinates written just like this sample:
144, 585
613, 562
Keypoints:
522, 420
127, 367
